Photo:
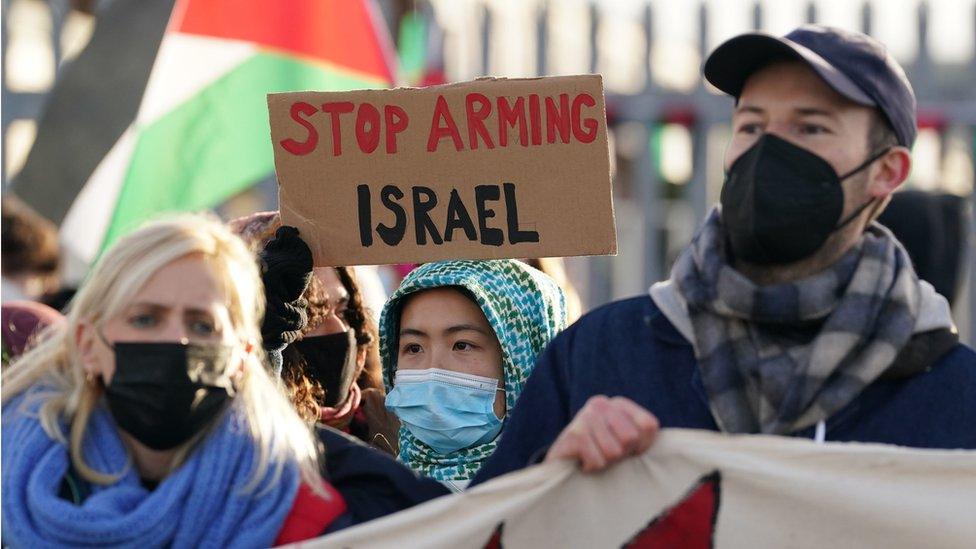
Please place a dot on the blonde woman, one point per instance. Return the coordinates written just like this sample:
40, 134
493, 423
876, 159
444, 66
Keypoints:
147, 417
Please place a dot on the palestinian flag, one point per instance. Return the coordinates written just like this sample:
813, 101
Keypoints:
201, 133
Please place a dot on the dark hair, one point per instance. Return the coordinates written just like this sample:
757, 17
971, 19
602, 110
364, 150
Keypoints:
305, 392
60, 298
880, 134
29, 243
361, 320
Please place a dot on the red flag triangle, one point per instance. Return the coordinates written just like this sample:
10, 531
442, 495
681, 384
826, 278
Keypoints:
341, 32
690, 524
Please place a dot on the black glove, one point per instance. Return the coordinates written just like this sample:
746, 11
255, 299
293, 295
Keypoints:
286, 268
286, 265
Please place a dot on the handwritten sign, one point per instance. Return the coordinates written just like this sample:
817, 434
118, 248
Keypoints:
486, 169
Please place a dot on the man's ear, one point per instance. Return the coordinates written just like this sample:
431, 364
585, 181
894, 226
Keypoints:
889, 172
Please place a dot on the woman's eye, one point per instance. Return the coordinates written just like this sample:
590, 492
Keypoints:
463, 346
202, 327
411, 349
144, 320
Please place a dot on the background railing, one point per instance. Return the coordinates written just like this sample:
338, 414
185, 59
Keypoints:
668, 127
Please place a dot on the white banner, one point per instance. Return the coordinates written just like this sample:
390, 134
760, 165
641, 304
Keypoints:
702, 489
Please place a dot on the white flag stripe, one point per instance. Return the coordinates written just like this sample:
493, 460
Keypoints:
84, 226
185, 65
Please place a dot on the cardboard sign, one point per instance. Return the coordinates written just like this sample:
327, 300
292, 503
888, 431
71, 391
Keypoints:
493, 168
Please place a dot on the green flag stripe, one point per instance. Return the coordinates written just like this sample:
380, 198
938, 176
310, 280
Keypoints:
413, 46
216, 144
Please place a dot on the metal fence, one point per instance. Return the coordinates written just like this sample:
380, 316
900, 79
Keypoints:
668, 128
34, 23
650, 53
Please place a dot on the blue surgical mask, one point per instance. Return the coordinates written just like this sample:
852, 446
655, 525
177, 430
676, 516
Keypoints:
445, 410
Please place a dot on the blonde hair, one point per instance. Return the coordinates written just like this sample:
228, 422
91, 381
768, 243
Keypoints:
280, 436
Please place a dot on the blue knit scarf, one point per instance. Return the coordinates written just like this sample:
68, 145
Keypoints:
201, 504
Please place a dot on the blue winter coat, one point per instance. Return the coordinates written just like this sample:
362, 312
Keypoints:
629, 348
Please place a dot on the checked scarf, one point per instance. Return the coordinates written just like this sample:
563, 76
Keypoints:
777, 359
524, 306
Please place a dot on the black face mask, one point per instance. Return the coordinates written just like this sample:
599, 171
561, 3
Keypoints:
781, 202
331, 359
165, 393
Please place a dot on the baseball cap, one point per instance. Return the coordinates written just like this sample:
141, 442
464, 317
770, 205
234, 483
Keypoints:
853, 64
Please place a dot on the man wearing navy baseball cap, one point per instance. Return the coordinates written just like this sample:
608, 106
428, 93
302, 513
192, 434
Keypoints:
791, 312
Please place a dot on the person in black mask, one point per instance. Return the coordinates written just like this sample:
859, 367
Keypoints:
319, 338
147, 417
791, 312
319, 335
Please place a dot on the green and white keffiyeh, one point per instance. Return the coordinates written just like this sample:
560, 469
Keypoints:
526, 309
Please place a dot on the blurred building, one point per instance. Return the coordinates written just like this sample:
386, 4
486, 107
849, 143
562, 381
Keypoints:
668, 129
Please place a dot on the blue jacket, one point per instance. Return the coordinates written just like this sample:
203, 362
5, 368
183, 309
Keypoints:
629, 348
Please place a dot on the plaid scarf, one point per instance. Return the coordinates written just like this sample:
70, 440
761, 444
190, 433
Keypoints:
777, 359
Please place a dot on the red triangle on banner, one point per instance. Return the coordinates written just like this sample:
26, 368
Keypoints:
689, 524
495, 541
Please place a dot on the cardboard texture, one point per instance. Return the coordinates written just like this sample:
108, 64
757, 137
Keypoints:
492, 168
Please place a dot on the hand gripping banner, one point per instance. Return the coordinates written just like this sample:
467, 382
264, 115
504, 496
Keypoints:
697, 489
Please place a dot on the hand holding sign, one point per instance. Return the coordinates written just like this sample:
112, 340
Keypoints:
486, 169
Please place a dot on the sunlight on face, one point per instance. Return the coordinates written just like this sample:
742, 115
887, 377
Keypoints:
442, 328
182, 302
335, 322
792, 102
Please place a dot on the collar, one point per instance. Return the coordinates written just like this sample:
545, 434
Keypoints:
669, 315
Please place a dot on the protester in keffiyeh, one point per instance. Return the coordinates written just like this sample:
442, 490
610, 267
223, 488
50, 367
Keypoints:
458, 340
